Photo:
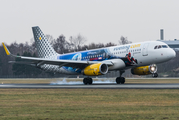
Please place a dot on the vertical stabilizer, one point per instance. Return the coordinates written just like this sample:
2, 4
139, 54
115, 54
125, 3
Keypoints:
44, 48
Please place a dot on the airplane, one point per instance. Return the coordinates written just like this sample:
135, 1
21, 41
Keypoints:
140, 57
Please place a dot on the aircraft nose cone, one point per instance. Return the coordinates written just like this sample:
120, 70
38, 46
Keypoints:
172, 54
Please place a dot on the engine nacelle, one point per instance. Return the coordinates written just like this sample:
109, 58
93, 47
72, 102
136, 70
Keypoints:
96, 69
144, 70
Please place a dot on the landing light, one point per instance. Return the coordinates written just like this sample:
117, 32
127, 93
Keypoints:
153, 68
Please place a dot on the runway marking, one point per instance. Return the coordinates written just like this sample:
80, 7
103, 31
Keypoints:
96, 86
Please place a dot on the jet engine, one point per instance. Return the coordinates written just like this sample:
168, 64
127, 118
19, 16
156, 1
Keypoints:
144, 70
96, 69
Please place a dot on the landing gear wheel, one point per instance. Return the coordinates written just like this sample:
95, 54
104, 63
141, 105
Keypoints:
90, 81
87, 81
120, 80
155, 75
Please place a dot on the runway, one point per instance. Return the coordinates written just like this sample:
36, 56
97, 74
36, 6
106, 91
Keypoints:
95, 86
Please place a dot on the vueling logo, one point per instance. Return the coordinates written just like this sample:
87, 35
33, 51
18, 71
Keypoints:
40, 38
134, 46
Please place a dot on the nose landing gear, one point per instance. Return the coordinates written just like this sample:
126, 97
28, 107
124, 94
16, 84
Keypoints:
155, 75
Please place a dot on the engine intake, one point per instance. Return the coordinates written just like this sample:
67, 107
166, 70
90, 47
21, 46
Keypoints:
144, 70
96, 69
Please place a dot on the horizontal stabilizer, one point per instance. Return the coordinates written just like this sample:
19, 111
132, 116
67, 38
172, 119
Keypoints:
7, 51
5, 48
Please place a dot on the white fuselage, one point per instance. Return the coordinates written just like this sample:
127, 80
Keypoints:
123, 57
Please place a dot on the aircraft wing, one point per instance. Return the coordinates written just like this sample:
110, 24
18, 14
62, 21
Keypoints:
40, 61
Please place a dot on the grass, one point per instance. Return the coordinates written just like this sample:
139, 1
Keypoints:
121, 104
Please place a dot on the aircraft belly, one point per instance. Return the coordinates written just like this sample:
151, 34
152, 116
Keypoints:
118, 64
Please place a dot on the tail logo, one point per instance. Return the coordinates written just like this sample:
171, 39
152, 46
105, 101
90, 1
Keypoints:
40, 38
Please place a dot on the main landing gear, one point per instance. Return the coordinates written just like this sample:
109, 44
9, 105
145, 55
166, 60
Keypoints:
120, 80
88, 80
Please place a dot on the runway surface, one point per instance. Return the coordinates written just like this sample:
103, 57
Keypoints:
96, 86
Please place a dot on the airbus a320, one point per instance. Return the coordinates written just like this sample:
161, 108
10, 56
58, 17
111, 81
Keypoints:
140, 57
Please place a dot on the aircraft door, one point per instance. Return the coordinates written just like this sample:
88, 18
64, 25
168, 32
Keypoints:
145, 49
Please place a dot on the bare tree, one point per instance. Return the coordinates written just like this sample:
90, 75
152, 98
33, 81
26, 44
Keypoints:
123, 41
99, 45
92, 46
110, 44
61, 45
77, 41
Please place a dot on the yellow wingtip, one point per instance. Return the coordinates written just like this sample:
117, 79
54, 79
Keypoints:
5, 48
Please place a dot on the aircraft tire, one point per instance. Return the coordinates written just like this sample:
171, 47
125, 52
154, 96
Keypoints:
118, 80
155, 75
122, 80
87, 81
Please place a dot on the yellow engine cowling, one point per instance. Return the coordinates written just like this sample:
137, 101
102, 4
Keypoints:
96, 69
144, 70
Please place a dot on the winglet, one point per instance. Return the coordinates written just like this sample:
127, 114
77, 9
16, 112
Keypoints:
5, 48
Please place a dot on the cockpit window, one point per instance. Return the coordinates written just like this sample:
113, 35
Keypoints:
164, 46
160, 46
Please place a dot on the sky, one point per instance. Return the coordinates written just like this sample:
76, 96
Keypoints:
99, 21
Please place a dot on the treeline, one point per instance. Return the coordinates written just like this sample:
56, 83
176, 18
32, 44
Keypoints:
61, 45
